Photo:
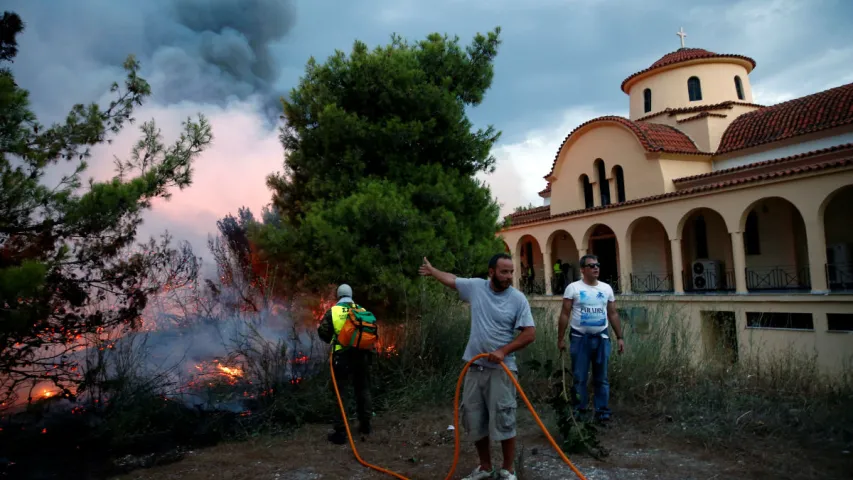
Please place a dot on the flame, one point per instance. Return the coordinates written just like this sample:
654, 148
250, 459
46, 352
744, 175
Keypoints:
230, 371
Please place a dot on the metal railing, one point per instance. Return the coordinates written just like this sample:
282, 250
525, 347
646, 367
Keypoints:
532, 286
839, 276
780, 277
651, 282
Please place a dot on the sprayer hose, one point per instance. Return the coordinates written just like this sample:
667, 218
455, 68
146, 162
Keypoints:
455, 421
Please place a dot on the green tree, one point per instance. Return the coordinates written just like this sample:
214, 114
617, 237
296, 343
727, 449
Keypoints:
380, 168
68, 264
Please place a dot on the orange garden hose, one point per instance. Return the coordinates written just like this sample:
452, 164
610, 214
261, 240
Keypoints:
455, 421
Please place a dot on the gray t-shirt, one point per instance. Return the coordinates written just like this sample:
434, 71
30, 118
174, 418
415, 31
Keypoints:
494, 319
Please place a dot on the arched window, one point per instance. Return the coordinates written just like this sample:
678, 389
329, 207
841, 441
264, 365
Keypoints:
750, 236
603, 184
620, 183
586, 185
647, 100
694, 89
739, 87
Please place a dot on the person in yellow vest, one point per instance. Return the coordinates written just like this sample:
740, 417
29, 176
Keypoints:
351, 365
558, 277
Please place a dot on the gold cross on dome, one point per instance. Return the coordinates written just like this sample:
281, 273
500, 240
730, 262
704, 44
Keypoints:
681, 34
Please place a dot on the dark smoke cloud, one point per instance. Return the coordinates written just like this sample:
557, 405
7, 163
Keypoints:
202, 51
211, 50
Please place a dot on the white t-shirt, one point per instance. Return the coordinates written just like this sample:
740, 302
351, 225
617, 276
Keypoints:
589, 306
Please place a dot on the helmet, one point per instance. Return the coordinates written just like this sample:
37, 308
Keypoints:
344, 290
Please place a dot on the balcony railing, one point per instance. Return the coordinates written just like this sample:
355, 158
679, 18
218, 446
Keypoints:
532, 286
782, 277
839, 276
651, 282
709, 281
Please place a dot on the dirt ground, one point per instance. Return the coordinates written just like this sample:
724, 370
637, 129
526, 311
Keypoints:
421, 447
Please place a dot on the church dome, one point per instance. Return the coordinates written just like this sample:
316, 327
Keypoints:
688, 56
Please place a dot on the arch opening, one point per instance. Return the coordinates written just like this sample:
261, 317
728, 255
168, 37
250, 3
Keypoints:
603, 183
564, 259
739, 88
694, 89
651, 257
647, 100
706, 250
531, 273
837, 218
775, 246
603, 244
586, 191
619, 175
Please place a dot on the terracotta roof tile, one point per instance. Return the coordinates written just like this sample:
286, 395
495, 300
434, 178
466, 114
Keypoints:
532, 215
812, 113
831, 164
702, 115
654, 137
546, 190
766, 163
685, 55
699, 108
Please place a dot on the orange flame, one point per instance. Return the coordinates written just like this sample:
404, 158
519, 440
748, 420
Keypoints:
230, 371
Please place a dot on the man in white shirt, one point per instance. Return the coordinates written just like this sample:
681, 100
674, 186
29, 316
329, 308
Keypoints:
591, 306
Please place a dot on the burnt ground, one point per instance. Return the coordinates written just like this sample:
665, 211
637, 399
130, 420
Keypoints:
420, 446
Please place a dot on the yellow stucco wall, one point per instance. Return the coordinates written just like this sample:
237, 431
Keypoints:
669, 87
725, 213
615, 144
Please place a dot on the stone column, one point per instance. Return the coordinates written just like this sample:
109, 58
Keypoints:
677, 266
816, 240
625, 267
739, 257
549, 271
516, 271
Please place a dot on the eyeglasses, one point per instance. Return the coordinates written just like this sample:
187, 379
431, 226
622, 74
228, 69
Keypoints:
592, 265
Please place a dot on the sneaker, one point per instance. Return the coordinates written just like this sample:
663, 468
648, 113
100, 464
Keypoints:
504, 474
480, 474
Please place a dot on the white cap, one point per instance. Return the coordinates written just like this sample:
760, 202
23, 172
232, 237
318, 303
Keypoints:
344, 290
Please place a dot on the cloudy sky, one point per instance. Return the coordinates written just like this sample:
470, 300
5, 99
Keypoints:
561, 63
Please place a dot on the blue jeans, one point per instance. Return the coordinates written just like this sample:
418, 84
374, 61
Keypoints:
586, 350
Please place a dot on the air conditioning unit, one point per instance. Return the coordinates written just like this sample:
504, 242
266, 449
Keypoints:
705, 274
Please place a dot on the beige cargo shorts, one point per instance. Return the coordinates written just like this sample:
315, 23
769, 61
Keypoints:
488, 404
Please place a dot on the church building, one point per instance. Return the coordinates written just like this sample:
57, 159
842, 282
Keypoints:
738, 215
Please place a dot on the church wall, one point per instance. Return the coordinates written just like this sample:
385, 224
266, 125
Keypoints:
669, 88
795, 146
673, 168
650, 249
778, 224
615, 145
698, 131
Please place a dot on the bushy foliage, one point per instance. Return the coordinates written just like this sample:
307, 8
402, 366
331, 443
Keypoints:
379, 170
68, 263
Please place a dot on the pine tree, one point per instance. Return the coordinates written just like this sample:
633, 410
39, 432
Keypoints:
68, 264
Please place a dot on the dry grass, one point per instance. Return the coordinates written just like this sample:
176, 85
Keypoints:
419, 446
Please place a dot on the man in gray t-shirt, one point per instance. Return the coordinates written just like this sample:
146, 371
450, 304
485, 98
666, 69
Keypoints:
488, 398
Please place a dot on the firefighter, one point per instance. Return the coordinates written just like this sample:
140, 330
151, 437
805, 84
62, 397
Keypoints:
351, 365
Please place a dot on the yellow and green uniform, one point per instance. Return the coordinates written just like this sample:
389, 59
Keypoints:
352, 365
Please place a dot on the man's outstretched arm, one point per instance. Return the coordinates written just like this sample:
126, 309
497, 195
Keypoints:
446, 278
